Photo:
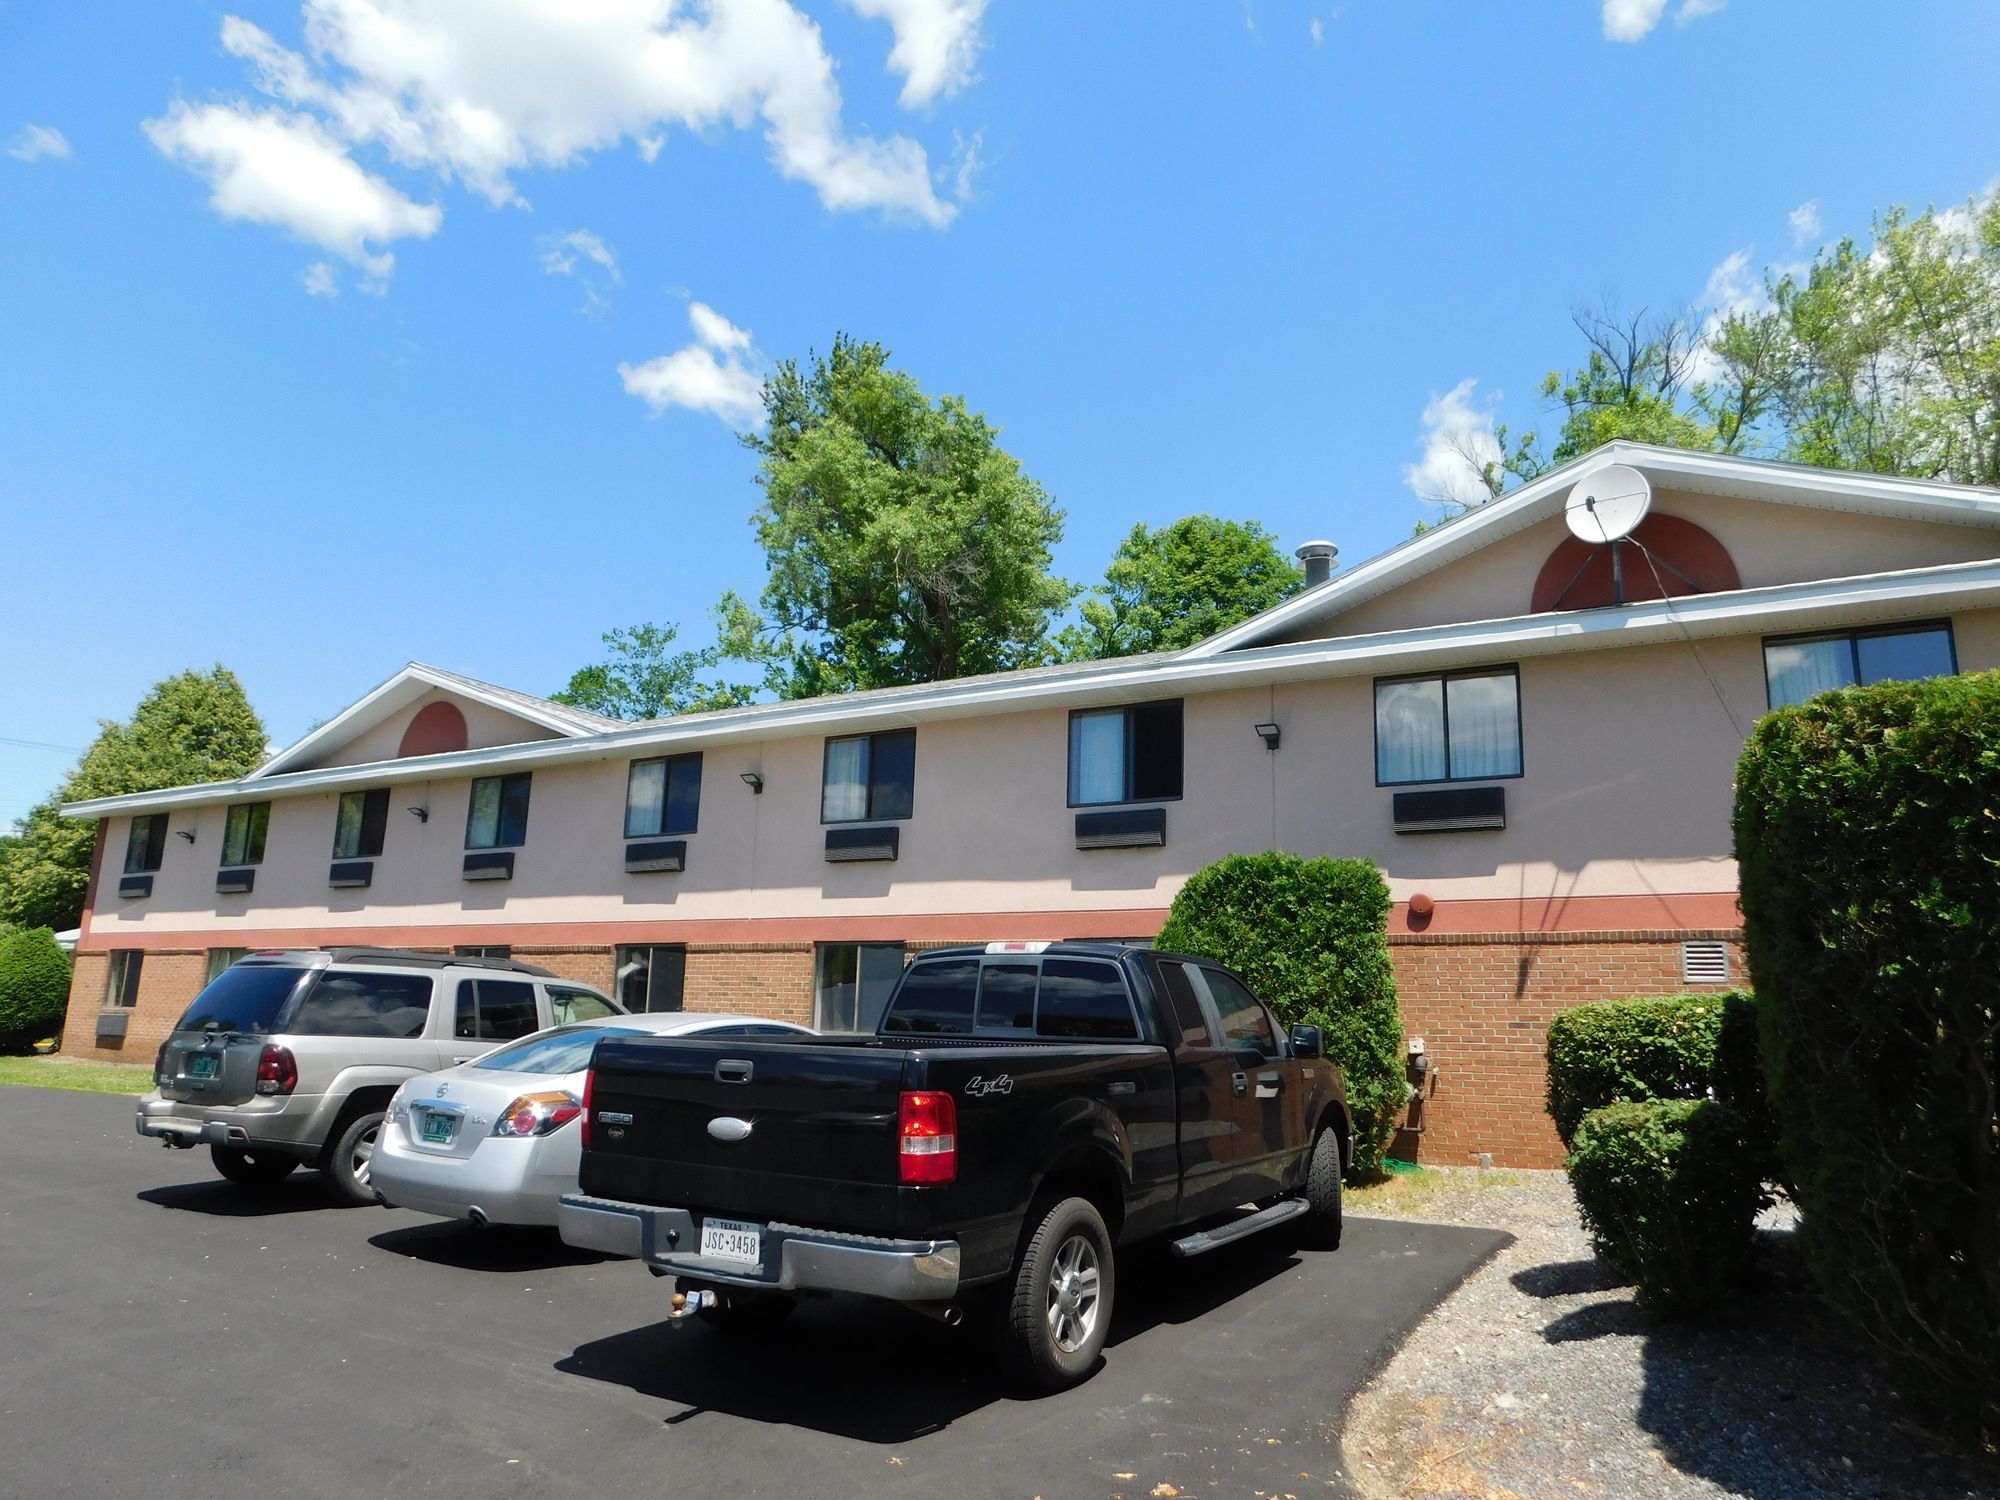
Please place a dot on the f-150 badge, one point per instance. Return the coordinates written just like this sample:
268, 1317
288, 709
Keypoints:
979, 1088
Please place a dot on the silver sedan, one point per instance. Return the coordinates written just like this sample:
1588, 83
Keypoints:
493, 1140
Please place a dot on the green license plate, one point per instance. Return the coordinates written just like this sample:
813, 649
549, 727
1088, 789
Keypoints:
439, 1128
204, 1065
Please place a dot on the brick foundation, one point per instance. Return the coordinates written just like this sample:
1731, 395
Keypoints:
757, 979
168, 980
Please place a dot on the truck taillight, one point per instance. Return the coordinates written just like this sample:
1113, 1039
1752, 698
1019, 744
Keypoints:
537, 1114
588, 1079
929, 1131
277, 1070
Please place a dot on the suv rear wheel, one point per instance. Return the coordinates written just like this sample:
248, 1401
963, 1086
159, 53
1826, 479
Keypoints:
350, 1157
252, 1169
1060, 1314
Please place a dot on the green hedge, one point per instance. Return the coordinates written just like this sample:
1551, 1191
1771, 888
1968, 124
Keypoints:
34, 988
1311, 938
1669, 1047
1670, 1197
1868, 833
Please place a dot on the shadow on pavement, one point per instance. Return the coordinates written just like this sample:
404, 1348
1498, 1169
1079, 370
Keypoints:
300, 1193
881, 1374
503, 1248
1567, 1278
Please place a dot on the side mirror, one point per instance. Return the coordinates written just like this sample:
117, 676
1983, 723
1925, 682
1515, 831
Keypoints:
1307, 1041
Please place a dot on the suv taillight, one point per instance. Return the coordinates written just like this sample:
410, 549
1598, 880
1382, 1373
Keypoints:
929, 1132
588, 1079
160, 1066
277, 1070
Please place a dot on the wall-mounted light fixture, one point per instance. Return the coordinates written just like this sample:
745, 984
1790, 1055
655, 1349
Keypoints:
754, 781
186, 833
423, 814
1269, 734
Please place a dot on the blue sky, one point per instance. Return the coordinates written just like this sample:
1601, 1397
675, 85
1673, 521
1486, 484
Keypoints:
312, 318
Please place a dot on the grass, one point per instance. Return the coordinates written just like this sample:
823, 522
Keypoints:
1407, 1190
73, 1073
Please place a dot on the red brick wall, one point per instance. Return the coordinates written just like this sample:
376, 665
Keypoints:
591, 966
168, 980
1482, 1003
758, 979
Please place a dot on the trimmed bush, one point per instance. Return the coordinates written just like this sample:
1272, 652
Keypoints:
1311, 938
1868, 833
34, 988
1670, 1197
1669, 1047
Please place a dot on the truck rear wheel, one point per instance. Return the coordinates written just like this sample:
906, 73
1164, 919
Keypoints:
1060, 1314
1322, 1219
252, 1169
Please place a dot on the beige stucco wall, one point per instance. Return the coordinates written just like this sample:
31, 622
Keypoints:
484, 726
1626, 787
1771, 544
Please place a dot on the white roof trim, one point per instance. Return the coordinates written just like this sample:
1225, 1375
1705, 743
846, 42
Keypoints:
1785, 607
405, 688
1675, 468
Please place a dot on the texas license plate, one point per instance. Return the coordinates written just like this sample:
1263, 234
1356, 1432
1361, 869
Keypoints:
204, 1065
729, 1239
438, 1128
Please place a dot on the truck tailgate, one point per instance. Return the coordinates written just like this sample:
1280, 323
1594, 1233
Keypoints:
821, 1147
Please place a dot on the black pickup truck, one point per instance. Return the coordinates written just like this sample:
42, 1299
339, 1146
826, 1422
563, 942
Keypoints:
1025, 1111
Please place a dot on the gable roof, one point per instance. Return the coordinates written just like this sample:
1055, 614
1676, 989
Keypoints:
1537, 501
410, 684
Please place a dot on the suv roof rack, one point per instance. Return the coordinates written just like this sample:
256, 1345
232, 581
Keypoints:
418, 960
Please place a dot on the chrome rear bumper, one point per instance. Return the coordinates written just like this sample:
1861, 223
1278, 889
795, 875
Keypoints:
796, 1259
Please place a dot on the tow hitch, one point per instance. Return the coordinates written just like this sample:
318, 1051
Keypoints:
687, 1304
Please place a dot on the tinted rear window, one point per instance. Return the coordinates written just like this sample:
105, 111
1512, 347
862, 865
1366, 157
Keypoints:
1082, 998
1007, 997
246, 998
935, 999
381, 1005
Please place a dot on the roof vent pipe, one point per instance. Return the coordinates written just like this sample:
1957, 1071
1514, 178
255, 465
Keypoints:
1319, 559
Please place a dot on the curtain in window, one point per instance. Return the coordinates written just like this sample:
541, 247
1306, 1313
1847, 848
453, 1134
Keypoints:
1485, 726
1798, 670
1097, 757
645, 797
844, 798
1409, 731
482, 821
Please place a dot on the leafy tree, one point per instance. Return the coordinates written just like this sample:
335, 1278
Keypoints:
904, 544
646, 679
34, 988
1169, 588
196, 726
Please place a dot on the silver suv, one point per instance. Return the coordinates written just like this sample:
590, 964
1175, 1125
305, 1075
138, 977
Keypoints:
290, 1058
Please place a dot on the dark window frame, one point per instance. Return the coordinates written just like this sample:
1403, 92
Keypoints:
506, 779
153, 851
248, 810
871, 815
1510, 669
122, 976
670, 762
620, 958
374, 820
1854, 638
1126, 711
474, 991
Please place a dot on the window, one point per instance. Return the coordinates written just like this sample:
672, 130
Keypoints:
851, 984
243, 833
373, 1005
121, 985
494, 1010
146, 844
497, 817
567, 1005
1244, 1019
249, 999
651, 978
564, 1051
1084, 998
869, 776
1802, 667
1125, 754
482, 950
1187, 1006
357, 827
1464, 726
1007, 996
219, 959
936, 999
662, 796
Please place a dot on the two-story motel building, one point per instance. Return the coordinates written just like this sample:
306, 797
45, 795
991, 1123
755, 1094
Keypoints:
1538, 754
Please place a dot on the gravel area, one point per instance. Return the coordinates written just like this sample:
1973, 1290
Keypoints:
1540, 1379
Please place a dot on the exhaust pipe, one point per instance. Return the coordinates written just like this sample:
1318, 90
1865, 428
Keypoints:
948, 1313
478, 1217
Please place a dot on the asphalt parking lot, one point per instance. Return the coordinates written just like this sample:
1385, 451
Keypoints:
161, 1332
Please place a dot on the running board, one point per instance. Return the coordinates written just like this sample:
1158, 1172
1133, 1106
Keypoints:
1205, 1240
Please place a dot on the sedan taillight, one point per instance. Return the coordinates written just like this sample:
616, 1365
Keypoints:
537, 1114
928, 1128
277, 1070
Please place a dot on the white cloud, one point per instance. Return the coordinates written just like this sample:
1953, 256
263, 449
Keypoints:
1694, 10
318, 280
713, 374
1318, 29
283, 169
1458, 442
1631, 20
937, 43
585, 256
38, 141
1805, 222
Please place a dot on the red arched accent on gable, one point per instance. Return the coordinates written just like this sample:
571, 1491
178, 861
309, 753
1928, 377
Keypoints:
438, 729
1578, 573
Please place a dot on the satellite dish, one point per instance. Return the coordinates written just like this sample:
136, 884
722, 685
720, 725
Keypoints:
1606, 505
